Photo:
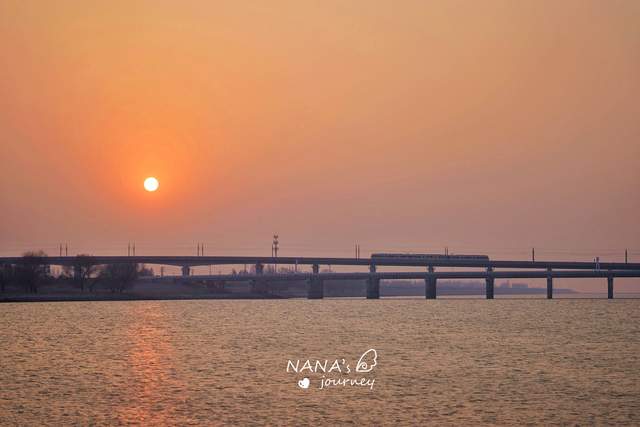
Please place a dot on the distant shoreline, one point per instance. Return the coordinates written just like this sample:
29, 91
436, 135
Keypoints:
242, 296
128, 297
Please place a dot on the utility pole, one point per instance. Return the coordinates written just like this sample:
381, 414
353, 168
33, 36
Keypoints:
533, 254
129, 249
626, 256
134, 248
66, 249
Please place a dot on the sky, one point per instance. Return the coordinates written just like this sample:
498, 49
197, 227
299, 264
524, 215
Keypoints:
487, 127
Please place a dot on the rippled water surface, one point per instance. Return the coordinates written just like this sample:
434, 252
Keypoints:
214, 362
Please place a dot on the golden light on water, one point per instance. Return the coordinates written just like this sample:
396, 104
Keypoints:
151, 184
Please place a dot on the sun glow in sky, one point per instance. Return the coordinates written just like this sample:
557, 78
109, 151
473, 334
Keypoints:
489, 126
151, 184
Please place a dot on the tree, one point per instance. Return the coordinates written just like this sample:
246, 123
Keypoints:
7, 273
32, 271
119, 276
83, 269
145, 271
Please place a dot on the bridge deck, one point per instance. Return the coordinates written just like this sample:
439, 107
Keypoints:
193, 261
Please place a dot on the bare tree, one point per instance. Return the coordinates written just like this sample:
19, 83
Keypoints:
32, 270
83, 269
119, 276
144, 271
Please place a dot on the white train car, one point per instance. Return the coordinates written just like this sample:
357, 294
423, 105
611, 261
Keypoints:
427, 257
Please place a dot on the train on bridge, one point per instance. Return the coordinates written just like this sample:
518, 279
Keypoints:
427, 257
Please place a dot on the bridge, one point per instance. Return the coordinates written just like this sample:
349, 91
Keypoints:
485, 269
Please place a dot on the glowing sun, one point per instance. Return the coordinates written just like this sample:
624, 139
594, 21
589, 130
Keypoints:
151, 184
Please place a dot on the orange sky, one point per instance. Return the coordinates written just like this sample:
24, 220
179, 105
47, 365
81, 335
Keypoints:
487, 126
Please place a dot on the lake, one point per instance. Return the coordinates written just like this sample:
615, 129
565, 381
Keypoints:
449, 361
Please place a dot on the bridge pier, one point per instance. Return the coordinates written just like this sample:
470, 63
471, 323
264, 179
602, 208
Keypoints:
430, 285
549, 284
316, 286
610, 287
490, 283
373, 284
259, 268
186, 270
259, 286
77, 276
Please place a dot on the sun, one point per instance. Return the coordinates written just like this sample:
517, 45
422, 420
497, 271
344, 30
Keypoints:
151, 184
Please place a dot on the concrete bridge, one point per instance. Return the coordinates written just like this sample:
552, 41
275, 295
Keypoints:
194, 261
316, 280
488, 270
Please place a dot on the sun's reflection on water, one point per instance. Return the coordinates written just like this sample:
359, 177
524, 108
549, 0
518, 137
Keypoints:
156, 387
